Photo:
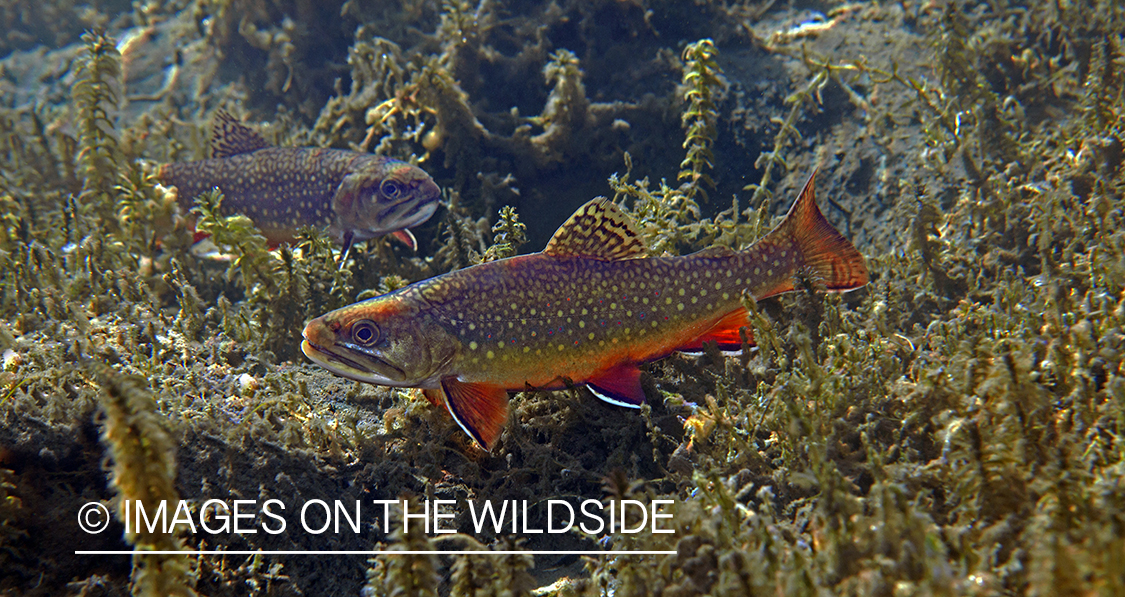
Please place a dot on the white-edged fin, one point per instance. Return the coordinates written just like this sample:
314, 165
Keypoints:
605, 397
619, 385
726, 353
406, 237
480, 409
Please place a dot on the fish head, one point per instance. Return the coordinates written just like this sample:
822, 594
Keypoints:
380, 195
385, 340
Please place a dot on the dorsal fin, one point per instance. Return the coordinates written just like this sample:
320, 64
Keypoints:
230, 137
598, 230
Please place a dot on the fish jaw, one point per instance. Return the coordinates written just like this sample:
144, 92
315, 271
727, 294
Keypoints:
321, 347
381, 196
384, 341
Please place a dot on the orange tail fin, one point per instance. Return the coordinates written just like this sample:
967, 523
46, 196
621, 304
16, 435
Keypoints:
829, 257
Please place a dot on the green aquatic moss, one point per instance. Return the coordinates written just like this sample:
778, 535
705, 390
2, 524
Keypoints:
702, 80
407, 574
509, 234
144, 471
96, 95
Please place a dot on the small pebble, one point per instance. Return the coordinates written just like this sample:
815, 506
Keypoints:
247, 383
12, 360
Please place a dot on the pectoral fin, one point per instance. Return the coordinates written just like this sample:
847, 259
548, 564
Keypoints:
480, 409
435, 396
349, 238
406, 237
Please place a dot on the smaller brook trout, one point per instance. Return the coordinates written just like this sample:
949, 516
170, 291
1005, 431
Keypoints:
356, 196
589, 309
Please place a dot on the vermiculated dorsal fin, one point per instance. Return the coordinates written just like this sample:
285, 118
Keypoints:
230, 137
598, 230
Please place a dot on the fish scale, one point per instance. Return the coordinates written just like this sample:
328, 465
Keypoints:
589, 309
283, 189
268, 185
570, 309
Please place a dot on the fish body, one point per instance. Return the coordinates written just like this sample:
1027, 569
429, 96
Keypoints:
589, 309
356, 196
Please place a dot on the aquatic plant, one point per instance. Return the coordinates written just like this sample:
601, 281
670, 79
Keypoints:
144, 472
954, 428
10, 513
96, 94
509, 234
407, 574
702, 80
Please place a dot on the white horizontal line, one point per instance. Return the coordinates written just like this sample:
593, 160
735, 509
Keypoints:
327, 552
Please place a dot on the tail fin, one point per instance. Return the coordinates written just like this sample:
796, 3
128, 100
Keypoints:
827, 255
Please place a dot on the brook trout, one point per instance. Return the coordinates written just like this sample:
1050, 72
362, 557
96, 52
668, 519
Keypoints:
589, 309
357, 196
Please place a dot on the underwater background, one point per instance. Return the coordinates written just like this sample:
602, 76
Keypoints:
955, 427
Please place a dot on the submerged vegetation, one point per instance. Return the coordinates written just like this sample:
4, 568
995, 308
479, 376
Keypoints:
954, 428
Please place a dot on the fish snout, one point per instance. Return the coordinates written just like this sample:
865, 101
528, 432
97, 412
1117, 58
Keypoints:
316, 336
429, 190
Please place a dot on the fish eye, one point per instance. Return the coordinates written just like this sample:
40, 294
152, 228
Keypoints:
365, 332
391, 189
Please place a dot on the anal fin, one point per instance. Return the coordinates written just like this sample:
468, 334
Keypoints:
724, 334
620, 385
480, 409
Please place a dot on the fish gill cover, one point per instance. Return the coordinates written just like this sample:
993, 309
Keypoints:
955, 427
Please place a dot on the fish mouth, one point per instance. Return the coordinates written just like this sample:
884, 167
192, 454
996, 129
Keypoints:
393, 224
420, 213
346, 367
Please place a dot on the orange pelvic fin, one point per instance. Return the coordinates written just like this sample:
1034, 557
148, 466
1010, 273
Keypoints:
620, 385
829, 257
480, 409
724, 333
